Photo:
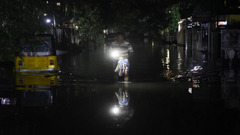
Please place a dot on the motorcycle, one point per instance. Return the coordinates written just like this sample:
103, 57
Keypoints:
122, 66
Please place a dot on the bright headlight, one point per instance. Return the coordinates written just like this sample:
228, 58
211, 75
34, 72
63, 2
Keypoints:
115, 54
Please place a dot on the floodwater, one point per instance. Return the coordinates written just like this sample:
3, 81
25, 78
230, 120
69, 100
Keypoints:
162, 97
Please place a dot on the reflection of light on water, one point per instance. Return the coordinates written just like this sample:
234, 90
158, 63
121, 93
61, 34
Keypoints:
186, 50
230, 85
7, 101
115, 110
173, 61
167, 72
180, 57
167, 59
179, 65
190, 90
179, 54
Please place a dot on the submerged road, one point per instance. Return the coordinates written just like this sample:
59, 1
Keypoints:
85, 99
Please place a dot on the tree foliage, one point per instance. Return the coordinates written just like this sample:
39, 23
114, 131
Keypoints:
173, 18
24, 18
142, 16
18, 19
88, 20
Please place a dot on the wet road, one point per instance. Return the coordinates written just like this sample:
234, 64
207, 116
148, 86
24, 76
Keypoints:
85, 99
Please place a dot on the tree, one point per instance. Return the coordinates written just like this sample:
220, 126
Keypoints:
88, 19
18, 19
141, 15
173, 18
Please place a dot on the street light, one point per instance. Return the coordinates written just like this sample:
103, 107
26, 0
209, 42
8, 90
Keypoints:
48, 21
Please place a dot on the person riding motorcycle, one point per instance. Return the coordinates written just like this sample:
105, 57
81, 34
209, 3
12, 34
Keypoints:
124, 49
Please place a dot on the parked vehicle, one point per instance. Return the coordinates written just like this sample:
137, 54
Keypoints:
39, 56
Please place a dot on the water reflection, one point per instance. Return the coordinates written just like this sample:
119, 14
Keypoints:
24, 107
32, 90
35, 90
35, 80
79, 104
173, 61
121, 112
231, 88
8, 101
123, 97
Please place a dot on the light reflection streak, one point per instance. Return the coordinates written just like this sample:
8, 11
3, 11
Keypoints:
8, 101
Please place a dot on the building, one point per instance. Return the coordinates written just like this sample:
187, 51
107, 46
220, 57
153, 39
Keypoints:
211, 34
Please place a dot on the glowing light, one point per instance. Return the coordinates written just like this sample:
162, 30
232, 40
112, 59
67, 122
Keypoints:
48, 21
115, 54
222, 23
105, 31
190, 90
115, 110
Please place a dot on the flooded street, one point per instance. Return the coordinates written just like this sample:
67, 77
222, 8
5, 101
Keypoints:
161, 97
